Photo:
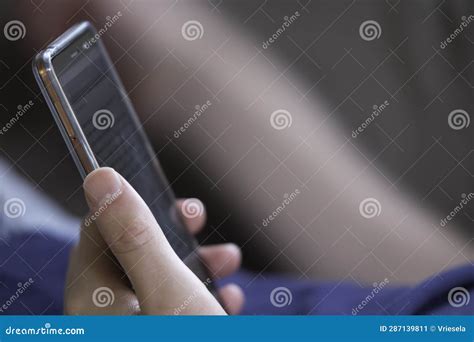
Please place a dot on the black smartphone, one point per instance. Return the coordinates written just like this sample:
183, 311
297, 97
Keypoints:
101, 128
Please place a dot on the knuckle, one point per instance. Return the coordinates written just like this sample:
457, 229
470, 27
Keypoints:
133, 236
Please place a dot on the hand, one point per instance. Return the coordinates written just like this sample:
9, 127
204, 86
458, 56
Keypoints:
124, 265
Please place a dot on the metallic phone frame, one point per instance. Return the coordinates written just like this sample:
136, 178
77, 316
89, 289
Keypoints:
61, 109
58, 103
64, 115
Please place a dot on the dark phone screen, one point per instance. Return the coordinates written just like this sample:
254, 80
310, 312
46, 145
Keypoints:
113, 132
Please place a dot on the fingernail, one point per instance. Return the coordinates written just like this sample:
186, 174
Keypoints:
101, 185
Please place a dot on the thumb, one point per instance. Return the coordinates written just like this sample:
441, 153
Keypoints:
160, 279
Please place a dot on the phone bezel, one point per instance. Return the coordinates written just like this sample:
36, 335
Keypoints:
63, 113
58, 103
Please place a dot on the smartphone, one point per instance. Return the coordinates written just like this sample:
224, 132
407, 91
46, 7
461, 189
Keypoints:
100, 128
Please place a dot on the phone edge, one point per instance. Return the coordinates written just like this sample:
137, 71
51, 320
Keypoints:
59, 106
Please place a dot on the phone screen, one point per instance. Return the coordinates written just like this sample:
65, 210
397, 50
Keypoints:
110, 125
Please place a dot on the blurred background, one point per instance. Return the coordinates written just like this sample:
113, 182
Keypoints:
337, 138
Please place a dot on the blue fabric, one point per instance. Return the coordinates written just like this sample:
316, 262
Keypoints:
44, 260
430, 297
41, 258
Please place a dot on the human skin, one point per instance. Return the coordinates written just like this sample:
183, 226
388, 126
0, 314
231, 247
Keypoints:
125, 251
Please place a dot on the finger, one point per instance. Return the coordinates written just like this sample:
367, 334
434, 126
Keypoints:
221, 260
160, 279
193, 214
233, 298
